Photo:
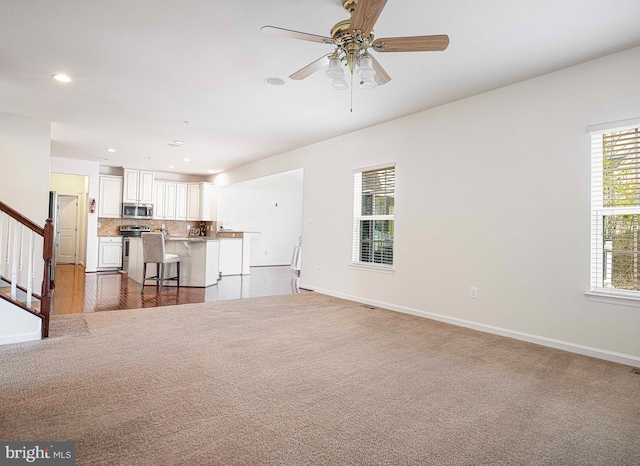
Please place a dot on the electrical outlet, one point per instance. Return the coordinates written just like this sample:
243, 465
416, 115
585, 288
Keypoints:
163, 226
318, 269
474, 293
189, 227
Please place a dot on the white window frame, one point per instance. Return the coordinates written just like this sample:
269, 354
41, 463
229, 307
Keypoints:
358, 217
599, 291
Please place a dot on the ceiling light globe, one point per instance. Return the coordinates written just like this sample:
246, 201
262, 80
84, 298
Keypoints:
365, 67
368, 83
334, 70
339, 84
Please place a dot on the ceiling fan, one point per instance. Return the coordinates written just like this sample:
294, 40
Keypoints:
353, 38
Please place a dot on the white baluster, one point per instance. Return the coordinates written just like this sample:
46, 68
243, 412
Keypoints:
6, 265
14, 262
30, 270
20, 254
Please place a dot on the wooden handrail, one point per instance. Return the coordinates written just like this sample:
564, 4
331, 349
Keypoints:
46, 301
21, 218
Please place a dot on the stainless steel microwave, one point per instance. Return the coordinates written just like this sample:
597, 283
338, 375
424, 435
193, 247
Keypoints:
130, 210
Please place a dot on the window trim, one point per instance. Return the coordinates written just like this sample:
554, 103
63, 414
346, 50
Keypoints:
600, 293
370, 266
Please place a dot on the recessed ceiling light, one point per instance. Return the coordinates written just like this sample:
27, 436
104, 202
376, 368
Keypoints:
111, 149
63, 78
170, 166
173, 144
102, 158
178, 143
211, 171
274, 81
185, 159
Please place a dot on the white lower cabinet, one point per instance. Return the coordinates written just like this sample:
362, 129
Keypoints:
231, 256
110, 252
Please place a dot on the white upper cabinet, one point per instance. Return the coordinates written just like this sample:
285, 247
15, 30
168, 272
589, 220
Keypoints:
181, 201
193, 202
170, 201
110, 197
159, 196
138, 186
208, 202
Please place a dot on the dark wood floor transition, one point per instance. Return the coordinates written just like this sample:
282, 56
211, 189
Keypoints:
77, 292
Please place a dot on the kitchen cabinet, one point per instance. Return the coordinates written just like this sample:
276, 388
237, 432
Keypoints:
181, 201
208, 202
159, 199
184, 201
231, 256
170, 201
193, 202
110, 197
110, 252
164, 202
138, 186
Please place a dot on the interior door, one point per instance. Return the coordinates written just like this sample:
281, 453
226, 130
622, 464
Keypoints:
67, 230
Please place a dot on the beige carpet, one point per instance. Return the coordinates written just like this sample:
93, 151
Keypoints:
310, 379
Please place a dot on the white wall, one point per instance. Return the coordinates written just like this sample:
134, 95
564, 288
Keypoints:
92, 171
492, 192
270, 205
24, 185
25, 148
18, 325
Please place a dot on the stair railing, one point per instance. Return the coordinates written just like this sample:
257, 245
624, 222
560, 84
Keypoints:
13, 262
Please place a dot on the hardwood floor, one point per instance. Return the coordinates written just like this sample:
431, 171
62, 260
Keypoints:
77, 292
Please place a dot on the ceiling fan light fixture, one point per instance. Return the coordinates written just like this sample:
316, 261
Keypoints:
365, 67
334, 70
339, 84
368, 83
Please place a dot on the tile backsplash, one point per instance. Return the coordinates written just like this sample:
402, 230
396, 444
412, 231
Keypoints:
111, 226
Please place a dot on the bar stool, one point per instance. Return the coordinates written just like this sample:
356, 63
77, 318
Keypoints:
153, 253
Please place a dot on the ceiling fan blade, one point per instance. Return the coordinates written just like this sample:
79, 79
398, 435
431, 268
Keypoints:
365, 15
296, 35
412, 44
381, 77
311, 68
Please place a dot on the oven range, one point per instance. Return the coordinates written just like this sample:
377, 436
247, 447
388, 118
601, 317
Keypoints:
128, 231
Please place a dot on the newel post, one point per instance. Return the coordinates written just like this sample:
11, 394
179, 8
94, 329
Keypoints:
47, 254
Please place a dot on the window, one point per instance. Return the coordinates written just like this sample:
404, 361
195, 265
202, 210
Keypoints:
373, 208
615, 211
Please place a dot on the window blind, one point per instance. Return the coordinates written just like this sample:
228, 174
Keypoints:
373, 222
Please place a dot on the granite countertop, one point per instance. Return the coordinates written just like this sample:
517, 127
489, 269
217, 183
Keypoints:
193, 239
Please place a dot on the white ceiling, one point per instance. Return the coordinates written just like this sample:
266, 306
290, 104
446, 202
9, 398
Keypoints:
142, 68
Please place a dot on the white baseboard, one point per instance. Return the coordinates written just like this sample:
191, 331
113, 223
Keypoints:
613, 356
19, 338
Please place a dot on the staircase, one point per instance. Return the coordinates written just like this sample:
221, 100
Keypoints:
21, 241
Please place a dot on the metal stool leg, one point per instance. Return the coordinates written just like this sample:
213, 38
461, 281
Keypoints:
144, 275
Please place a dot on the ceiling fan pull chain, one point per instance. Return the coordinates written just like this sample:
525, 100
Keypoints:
351, 110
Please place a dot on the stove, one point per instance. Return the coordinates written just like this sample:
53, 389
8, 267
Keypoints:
127, 232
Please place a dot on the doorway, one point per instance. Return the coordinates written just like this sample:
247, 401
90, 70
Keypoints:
67, 233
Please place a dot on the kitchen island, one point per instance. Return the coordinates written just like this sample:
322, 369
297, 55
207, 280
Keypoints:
199, 260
